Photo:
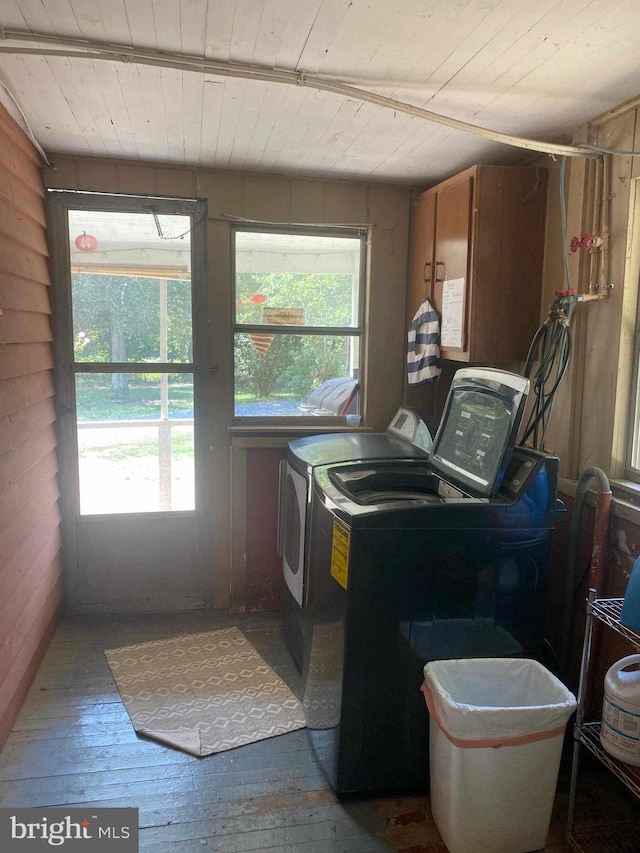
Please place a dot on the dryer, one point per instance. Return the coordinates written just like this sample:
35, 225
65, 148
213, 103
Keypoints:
406, 437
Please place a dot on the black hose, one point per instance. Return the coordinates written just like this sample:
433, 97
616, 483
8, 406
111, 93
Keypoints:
569, 595
541, 332
554, 341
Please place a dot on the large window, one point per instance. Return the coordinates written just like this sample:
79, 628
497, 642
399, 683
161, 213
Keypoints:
297, 322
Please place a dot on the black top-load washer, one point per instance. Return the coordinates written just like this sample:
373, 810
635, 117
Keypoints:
417, 560
406, 437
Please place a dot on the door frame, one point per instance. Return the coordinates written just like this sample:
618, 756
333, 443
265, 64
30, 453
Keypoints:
59, 202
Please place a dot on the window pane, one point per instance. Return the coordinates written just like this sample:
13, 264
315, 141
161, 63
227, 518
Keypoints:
135, 442
297, 279
287, 375
131, 287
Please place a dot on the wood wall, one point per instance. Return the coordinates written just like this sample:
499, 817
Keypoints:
264, 581
591, 418
591, 415
30, 557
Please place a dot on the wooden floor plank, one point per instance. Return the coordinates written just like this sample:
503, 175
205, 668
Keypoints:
111, 714
342, 832
92, 736
38, 762
274, 809
90, 787
364, 844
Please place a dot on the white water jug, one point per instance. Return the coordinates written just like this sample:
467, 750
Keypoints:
620, 730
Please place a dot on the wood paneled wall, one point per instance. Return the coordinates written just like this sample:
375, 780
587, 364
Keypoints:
30, 556
263, 568
591, 413
591, 416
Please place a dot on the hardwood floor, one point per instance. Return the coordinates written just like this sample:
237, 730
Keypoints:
73, 745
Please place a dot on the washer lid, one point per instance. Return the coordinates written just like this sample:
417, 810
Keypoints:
407, 437
478, 429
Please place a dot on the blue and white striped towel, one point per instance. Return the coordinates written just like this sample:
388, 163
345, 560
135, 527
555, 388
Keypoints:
423, 346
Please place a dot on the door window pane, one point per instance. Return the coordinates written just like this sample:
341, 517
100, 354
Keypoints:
131, 287
135, 442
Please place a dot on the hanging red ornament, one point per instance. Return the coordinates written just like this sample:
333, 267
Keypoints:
86, 242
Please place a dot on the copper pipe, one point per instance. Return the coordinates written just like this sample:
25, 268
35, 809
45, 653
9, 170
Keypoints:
605, 222
599, 548
596, 221
597, 578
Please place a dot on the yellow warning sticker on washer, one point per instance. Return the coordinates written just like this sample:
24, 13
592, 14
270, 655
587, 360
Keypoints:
340, 552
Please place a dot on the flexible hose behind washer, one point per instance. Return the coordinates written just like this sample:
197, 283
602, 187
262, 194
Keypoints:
597, 554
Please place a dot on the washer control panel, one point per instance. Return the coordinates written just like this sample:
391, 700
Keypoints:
409, 425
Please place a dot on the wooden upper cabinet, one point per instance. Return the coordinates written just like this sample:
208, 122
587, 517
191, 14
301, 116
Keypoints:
486, 228
421, 240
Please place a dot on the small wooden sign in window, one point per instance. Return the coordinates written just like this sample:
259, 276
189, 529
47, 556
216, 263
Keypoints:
283, 316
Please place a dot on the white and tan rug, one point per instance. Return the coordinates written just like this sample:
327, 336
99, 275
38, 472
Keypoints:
203, 693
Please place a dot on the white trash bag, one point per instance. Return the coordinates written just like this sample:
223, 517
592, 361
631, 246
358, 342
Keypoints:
495, 741
496, 700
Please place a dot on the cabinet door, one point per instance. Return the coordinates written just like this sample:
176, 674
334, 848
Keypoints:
451, 256
423, 220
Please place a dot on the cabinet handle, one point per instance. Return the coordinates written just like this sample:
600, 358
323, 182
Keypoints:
439, 264
428, 279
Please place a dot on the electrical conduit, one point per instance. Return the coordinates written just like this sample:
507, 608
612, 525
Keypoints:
70, 47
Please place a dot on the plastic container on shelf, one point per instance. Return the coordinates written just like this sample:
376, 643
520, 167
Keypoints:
630, 613
495, 741
620, 729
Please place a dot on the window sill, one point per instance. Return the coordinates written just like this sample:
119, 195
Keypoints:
626, 497
627, 493
279, 435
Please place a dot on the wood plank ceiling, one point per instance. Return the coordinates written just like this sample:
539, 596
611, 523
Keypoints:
534, 69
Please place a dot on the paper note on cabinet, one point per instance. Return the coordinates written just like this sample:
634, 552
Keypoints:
452, 326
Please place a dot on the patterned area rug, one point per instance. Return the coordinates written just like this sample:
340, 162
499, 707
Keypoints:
203, 693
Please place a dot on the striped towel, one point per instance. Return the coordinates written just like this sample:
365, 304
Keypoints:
423, 350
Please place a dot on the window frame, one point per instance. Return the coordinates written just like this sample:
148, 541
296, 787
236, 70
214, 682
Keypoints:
630, 346
633, 439
357, 331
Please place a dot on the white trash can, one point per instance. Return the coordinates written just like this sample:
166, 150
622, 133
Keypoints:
495, 741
